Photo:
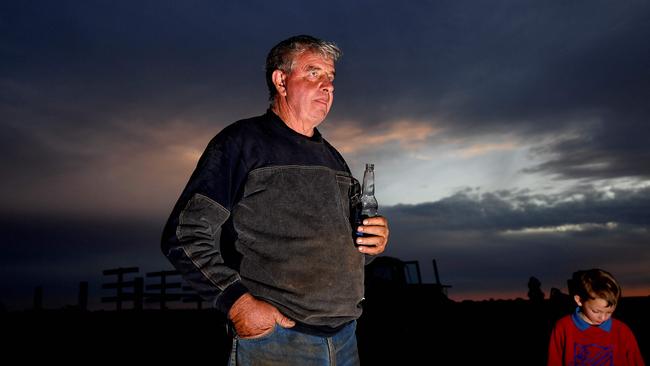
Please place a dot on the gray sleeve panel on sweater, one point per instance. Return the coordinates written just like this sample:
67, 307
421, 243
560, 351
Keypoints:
197, 253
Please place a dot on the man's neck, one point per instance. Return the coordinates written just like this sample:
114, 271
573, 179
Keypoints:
291, 120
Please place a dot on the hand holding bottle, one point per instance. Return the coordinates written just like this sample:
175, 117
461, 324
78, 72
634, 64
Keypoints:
369, 205
375, 230
372, 232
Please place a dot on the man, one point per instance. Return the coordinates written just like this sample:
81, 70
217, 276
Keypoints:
263, 228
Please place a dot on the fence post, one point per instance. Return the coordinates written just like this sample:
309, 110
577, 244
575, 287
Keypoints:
120, 285
163, 296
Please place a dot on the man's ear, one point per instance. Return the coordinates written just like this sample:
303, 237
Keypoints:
576, 298
279, 78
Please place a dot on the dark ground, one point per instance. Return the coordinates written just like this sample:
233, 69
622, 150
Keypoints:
418, 327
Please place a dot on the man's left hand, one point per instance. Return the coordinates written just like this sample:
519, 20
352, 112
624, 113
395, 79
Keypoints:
377, 230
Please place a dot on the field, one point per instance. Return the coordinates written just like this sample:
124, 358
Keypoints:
400, 325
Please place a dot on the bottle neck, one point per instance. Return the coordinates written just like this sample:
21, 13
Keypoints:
368, 188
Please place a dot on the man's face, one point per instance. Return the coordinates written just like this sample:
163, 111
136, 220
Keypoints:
310, 87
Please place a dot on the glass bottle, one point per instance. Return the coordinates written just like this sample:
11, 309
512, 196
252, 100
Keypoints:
369, 205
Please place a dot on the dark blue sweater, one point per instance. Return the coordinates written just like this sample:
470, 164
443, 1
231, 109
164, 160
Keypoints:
267, 211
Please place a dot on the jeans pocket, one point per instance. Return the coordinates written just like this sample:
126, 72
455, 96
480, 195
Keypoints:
260, 337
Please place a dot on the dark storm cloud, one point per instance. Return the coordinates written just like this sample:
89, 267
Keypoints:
84, 82
533, 69
616, 147
103, 61
58, 252
499, 64
478, 240
491, 243
507, 210
528, 68
481, 264
73, 74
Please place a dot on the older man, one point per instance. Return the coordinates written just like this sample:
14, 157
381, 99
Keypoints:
263, 227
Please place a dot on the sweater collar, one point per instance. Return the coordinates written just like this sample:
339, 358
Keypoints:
583, 325
316, 137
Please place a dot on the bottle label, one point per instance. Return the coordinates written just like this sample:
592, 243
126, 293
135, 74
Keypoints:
358, 223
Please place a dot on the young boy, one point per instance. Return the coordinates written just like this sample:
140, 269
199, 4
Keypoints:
590, 336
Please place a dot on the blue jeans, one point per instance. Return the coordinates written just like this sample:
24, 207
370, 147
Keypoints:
284, 346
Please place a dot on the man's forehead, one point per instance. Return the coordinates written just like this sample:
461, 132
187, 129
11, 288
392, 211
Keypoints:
314, 60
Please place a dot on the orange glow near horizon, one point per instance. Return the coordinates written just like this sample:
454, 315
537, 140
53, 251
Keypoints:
408, 134
512, 295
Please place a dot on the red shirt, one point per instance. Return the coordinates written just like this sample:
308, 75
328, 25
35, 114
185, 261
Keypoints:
592, 345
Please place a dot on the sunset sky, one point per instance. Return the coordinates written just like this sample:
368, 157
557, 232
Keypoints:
510, 138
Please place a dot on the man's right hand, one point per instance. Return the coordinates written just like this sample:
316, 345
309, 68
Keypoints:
254, 318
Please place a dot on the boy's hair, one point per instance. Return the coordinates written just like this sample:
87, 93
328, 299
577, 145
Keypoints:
595, 283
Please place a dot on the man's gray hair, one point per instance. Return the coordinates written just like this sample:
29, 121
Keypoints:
282, 55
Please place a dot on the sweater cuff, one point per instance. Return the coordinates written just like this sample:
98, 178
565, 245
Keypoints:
228, 297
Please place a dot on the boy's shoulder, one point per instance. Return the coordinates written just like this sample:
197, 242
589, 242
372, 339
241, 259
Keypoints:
620, 325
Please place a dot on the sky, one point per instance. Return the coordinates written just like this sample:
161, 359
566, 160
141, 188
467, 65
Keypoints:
510, 138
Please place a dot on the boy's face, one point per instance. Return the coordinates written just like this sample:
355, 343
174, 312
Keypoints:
595, 311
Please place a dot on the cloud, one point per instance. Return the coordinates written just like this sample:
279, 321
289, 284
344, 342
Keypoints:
486, 148
530, 71
136, 169
105, 107
485, 244
353, 138
526, 71
519, 210
566, 228
601, 154
488, 244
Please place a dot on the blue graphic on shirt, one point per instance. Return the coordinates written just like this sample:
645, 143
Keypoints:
593, 355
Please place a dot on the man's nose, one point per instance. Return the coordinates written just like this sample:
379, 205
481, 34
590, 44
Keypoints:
327, 86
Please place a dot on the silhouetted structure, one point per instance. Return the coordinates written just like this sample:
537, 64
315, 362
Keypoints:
441, 288
164, 289
163, 297
120, 285
390, 276
192, 297
535, 293
404, 322
560, 304
386, 271
412, 272
557, 296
